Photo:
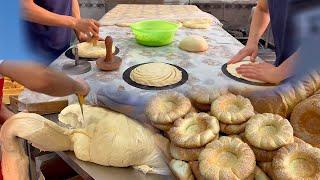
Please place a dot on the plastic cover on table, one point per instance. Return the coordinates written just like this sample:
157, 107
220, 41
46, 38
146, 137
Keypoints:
125, 13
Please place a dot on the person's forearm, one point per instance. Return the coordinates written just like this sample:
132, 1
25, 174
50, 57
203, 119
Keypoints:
41, 79
260, 21
288, 66
34, 13
75, 9
76, 13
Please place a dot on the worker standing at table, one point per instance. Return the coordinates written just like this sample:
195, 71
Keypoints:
277, 13
30, 74
49, 25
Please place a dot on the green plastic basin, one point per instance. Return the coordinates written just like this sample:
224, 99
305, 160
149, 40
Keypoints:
154, 32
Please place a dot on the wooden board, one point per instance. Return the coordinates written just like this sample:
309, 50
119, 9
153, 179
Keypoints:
39, 108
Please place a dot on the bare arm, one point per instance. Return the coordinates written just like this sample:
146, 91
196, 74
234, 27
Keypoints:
260, 21
268, 73
287, 68
34, 13
76, 9
40, 79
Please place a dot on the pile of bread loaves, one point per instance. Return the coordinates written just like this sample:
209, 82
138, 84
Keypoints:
250, 146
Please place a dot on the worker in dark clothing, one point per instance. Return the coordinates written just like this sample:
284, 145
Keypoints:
275, 12
49, 25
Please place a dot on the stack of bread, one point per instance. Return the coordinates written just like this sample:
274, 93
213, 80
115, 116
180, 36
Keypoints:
305, 119
282, 99
257, 146
10, 88
165, 108
233, 112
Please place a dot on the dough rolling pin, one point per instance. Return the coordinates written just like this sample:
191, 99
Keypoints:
110, 62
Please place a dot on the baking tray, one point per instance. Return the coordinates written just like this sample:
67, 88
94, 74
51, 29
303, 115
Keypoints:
126, 78
70, 55
224, 70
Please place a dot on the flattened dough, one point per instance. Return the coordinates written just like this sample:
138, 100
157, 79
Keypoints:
156, 74
88, 50
231, 68
123, 24
198, 23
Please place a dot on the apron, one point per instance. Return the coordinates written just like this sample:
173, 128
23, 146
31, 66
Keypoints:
282, 29
49, 42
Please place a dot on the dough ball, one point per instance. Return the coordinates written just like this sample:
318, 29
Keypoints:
109, 138
269, 131
194, 44
166, 107
232, 109
156, 74
194, 131
227, 158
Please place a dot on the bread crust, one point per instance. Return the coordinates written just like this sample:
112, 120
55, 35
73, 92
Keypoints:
297, 161
194, 131
227, 158
202, 97
268, 131
232, 129
232, 109
305, 120
166, 107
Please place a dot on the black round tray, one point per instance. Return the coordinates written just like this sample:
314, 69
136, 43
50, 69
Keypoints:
126, 78
70, 55
224, 70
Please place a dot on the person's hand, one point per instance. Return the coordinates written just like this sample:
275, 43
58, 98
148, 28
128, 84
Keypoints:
85, 38
249, 50
262, 71
82, 87
89, 27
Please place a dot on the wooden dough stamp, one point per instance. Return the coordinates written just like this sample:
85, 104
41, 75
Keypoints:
110, 62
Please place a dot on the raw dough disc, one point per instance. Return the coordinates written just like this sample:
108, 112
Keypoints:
88, 50
198, 23
156, 74
231, 68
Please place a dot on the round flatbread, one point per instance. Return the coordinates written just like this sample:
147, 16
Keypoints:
156, 74
88, 50
231, 68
